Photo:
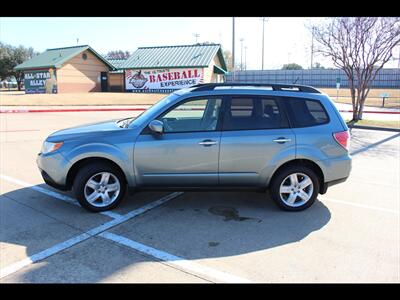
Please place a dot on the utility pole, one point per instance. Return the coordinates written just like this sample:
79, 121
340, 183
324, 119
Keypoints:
233, 47
262, 64
241, 54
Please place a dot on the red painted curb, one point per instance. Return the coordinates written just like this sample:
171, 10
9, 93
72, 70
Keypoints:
374, 112
6, 111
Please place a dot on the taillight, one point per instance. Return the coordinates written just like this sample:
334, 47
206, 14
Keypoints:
343, 139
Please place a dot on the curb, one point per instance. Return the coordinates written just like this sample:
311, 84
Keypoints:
374, 112
374, 128
7, 111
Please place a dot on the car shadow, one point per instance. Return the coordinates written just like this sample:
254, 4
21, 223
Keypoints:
196, 225
363, 142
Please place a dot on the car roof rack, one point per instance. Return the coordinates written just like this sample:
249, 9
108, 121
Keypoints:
274, 86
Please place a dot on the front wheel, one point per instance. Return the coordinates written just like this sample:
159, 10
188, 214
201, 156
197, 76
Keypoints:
99, 187
295, 188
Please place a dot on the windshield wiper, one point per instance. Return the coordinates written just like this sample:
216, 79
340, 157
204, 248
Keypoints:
124, 123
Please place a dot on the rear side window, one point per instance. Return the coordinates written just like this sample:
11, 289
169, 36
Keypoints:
305, 113
252, 113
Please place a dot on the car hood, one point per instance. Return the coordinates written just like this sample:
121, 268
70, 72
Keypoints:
105, 127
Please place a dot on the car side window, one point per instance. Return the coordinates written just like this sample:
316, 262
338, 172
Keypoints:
193, 115
305, 113
252, 113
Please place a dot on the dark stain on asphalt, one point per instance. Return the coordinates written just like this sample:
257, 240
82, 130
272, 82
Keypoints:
230, 213
213, 244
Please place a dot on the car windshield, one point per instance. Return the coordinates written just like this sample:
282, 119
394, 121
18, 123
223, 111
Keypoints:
143, 116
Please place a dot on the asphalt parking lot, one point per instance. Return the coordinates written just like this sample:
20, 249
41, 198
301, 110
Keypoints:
351, 234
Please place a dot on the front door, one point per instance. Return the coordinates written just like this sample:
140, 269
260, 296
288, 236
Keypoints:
104, 81
186, 153
255, 136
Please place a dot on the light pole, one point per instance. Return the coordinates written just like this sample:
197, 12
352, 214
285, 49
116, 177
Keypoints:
196, 35
312, 47
233, 47
245, 57
241, 54
262, 64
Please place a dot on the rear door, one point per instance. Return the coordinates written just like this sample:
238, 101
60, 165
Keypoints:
255, 137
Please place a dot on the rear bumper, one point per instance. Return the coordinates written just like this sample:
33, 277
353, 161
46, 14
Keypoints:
324, 187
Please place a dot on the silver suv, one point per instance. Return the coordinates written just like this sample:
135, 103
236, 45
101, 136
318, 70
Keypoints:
288, 138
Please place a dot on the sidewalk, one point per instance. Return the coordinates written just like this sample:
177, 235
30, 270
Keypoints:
370, 113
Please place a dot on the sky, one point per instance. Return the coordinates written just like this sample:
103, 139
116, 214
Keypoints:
287, 39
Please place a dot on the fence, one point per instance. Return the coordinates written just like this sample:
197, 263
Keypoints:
320, 78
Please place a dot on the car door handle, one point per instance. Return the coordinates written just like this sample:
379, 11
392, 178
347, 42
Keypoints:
281, 140
208, 143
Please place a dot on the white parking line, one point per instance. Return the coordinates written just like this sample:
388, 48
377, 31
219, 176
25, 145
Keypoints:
392, 211
53, 194
175, 260
84, 236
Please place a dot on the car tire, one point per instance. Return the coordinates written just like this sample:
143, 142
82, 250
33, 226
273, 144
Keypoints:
109, 189
284, 190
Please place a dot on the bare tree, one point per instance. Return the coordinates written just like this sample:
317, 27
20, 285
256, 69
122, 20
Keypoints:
360, 46
228, 59
118, 54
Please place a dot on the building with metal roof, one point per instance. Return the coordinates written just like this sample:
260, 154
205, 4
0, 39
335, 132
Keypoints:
67, 69
163, 69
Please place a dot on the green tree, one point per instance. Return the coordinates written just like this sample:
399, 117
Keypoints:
292, 66
10, 57
5, 61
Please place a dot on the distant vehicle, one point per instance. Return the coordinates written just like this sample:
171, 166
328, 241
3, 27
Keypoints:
288, 138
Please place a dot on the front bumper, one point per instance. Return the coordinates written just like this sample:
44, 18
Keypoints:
54, 169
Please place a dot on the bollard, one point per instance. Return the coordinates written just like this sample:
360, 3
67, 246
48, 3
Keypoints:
383, 101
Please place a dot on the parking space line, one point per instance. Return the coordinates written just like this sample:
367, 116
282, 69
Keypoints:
175, 260
392, 211
84, 236
53, 194
43, 254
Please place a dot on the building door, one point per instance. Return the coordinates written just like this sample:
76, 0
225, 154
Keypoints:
104, 81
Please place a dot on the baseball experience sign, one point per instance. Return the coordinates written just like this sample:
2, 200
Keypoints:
162, 80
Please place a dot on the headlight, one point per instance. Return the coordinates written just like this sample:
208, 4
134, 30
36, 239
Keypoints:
50, 147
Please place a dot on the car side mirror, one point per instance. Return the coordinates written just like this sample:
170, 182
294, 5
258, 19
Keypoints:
156, 126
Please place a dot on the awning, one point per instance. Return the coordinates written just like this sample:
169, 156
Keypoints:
218, 70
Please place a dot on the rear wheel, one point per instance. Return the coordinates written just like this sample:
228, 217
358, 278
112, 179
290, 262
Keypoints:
99, 187
295, 188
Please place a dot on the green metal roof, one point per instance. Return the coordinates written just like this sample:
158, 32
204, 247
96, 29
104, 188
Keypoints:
55, 58
198, 55
116, 63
